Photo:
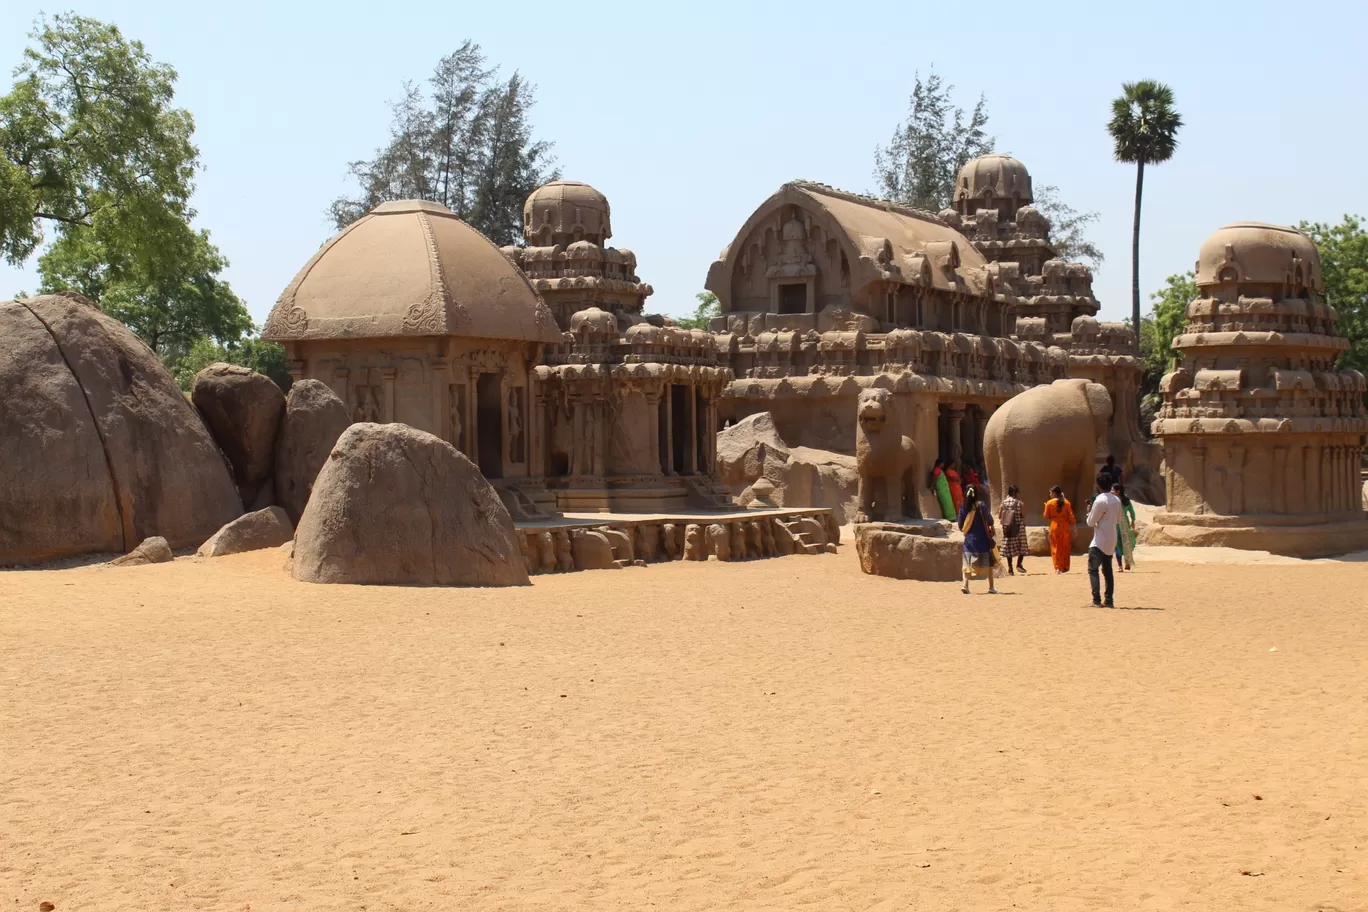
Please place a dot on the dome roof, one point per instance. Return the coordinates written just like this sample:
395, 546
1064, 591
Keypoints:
595, 320
1001, 176
1260, 254
410, 268
565, 206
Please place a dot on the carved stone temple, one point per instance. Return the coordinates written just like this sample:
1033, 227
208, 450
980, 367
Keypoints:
1262, 437
824, 293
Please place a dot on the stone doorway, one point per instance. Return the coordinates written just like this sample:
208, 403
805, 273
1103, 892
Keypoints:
679, 428
489, 425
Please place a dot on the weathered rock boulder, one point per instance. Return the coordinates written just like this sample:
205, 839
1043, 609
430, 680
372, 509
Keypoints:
752, 449
154, 550
398, 506
98, 447
314, 418
268, 528
242, 410
927, 550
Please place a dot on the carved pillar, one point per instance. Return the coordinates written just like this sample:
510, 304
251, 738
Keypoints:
387, 414
1237, 461
438, 377
1199, 477
600, 436
956, 435
1308, 501
577, 439
1326, 481
691, 451
980, 424
1280, 479
537, 430
667, 403
339, 384
472, 424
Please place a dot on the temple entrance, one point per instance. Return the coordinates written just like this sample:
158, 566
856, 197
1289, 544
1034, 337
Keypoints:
679, 428
792, 299
489, 425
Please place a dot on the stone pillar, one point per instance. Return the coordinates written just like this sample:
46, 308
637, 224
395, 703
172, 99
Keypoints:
1326, 480
577, 436
600, 434
1279, 479
1199, 477
956, 435
691, 452
1237, 461
341, 376
472, 423
667, 403
980, 424
653, 409
387, 414
439, 383
536, 430
1308, 491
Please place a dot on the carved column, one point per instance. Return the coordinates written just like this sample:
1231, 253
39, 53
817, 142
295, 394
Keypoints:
1280, 479
1237, 461
667, 403
1326, 480
653, 409
1199, 477
387, 414
956, 435
339, 384
1308, 498
600, 434
577, 439
691, 451
537, 430
472, 423
438, 382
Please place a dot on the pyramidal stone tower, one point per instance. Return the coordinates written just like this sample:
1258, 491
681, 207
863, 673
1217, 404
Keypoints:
1262, 437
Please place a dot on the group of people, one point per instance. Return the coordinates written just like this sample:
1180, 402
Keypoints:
950, 489
1110, 514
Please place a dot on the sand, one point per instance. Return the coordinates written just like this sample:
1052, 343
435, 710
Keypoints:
782, 734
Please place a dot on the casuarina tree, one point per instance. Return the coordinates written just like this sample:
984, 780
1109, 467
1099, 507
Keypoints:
1144, 127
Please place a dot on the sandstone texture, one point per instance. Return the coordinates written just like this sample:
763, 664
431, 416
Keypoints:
398, 506
242, 410
925, 550
154, 550
752, 449
313, 419
268, 528
98, 447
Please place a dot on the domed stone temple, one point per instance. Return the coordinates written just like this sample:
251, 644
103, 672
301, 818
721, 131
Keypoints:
548, 376
1262, 437
825, 293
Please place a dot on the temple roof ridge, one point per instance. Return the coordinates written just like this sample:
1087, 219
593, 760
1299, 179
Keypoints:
866, 200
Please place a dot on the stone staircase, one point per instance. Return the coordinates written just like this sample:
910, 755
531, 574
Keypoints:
809, 535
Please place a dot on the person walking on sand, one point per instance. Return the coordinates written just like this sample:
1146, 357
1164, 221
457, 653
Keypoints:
1012, 515
941, 486
977, 525
1060, 515
1125, 530
1104, 516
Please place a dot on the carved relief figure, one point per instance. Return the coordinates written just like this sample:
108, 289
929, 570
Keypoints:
367, 408
457, 426
515, 426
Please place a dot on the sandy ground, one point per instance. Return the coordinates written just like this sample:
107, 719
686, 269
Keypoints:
783, 734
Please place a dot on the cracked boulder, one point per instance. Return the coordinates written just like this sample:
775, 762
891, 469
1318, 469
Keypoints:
99, 449
398, 506
242, 410
760, 469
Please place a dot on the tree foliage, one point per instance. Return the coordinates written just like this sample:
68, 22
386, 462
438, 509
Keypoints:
253, 353
708, 307
466, 144
919, 165
92, 141
1343, 251
1168, 315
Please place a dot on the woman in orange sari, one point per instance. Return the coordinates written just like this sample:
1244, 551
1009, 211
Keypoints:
1060, 515
956, 489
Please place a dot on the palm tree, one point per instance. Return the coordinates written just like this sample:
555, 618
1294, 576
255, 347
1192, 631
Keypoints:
1144, 127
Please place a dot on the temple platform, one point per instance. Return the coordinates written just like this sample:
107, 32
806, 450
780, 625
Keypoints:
606, 541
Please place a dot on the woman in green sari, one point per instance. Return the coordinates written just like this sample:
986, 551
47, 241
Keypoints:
941, 485
1125, 531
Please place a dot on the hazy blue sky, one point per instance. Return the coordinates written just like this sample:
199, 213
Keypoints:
689, 115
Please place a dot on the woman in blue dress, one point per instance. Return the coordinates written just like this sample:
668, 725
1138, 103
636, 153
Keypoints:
976, 523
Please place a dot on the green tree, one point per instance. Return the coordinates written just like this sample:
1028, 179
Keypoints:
170, 302
708, 307
256, 354
91, 140
1144, 129
1344, 265
469, 146
1168, 315
919, 165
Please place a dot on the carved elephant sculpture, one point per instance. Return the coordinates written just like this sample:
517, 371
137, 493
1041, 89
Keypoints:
1048, 436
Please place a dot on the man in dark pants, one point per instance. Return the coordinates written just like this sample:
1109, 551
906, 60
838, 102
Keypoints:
1103, 517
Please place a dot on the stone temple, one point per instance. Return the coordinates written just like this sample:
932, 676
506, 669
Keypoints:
1262, 437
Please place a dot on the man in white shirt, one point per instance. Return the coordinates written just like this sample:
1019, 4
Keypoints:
1103, 518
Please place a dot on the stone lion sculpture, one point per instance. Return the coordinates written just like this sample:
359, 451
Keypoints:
886, 461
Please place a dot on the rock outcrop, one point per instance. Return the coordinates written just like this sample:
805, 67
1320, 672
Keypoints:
98, 447
242, 410
752, 449
313, 420
926, 550
398, 506
153, 550
268, 528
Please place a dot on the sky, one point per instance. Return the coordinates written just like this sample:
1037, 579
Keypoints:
688, 116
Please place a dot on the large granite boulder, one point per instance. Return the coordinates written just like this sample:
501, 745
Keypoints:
99, 449
927, 550
395, 505
795, 476
242, 410
313, 420
268, 528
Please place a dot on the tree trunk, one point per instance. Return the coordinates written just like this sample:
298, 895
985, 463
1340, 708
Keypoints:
1135, 256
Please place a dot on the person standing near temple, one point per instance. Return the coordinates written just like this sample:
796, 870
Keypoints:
1125, 530
1012, 516
1060, 515
977, 525
956, 489
1104, 516
1112, 472
941, 486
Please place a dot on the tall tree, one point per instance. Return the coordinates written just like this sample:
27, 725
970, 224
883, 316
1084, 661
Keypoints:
91, 140
469, 146
919, 165
1144, 128
708, 307
1166, 320
1343, 251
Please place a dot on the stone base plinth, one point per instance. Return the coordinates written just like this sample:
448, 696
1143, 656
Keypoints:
1321, 540
1038, 539
929, 550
